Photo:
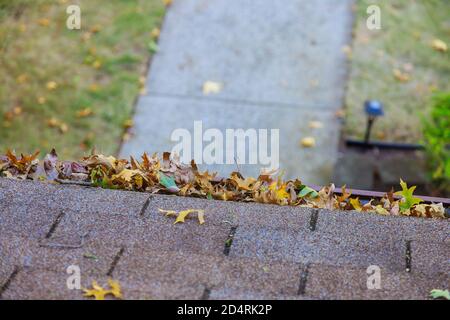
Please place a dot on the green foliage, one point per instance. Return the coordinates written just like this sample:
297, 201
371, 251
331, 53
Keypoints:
437, 140
308, 191
408, 200
440, 294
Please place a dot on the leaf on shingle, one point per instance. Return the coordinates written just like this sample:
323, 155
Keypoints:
440, 294
183, 214
99, 293
408, 200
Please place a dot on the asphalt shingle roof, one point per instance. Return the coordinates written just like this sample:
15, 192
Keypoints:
244, 250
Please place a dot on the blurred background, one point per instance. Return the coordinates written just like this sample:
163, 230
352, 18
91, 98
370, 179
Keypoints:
79, 89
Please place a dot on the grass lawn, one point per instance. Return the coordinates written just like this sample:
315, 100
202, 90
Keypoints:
72, 89
408, 27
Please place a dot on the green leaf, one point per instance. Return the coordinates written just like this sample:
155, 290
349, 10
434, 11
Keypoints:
153, 46
168, 182
439, 294
90, 256
307, 191
408, 200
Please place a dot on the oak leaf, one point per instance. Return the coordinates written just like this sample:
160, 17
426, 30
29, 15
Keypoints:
408, 200
99, 292
183, 214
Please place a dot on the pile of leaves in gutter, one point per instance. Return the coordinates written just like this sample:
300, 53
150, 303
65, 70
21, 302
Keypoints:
167, 175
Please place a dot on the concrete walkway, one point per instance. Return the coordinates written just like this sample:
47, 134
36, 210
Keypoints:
281, 66
275, 252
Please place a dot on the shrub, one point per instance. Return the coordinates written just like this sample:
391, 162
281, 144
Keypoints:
437, 141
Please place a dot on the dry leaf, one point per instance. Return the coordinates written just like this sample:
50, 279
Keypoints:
128, 123
44, 22
51, 85
41, 100
308, 142
211, 87
182, 215
22, 79
84, 113
439, 45
401, 76
155, 33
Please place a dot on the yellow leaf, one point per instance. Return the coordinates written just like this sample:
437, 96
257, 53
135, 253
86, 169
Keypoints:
168, 212
212, 87
439, 45
356, 204
51, 85
84, 113
115, 288
22, 78
63, 127
167, 3
155, 33
44, 22
97, 64
126, 175
41, 100
401, 76
183, 214
308, 142
280, 191
380, 210
128, 124
97, 291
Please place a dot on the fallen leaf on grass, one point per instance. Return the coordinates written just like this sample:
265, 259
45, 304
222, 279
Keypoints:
22, 78
440, 294
55, 123
401, 76
439, 45
212, 87
97, 64
84, 113
51, 85
99, 293
155, 33
41, 100
44, 22
128, 124
182, 215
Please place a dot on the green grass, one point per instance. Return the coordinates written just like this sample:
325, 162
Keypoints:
98, 67
408, 28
